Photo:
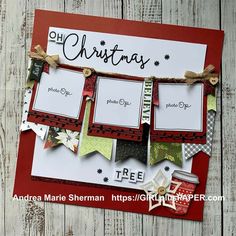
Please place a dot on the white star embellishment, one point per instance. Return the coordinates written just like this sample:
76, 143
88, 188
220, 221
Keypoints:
158, 189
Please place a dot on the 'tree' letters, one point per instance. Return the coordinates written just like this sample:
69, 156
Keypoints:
132, 175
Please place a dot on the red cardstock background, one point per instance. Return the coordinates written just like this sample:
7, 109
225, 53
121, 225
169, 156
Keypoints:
26, 185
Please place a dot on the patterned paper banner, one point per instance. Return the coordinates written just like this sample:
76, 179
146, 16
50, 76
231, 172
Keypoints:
211, 102
40, 130
130, 149
90, 144
147, 101
192, 149
155, 95
58, 136
90, 83
166, 151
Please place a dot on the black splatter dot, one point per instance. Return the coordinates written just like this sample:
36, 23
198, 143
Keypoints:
156, 63
102, 42
23, 121
99, 171
167, 57
167, 168
105, 179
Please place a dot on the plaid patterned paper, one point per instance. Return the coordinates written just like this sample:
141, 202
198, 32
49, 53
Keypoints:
191, 149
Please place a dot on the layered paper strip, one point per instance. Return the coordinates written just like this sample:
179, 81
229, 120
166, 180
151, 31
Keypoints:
192, 149
147, 101
58, 136
211, 102
130, 149
90, 144
166, 151
39, 129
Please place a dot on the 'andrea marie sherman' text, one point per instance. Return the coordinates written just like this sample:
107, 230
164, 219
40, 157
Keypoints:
60, 198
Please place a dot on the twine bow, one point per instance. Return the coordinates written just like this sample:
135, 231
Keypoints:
207, 74
52, 60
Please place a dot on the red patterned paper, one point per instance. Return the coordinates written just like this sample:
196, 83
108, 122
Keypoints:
89, 86
186, 189
155, 97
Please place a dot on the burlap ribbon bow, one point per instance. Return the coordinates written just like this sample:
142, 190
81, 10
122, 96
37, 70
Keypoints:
40, 54
207, 74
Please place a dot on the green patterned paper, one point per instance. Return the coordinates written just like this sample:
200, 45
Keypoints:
90, 144
211, 102
166, 151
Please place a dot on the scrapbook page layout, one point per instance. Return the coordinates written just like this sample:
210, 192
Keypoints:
119, 108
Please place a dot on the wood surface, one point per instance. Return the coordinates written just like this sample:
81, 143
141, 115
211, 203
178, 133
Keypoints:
37, 218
